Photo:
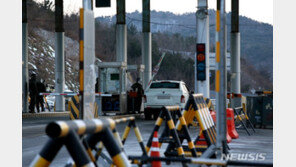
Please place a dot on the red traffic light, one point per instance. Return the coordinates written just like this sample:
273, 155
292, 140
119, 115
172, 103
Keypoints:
200, 47
201, 57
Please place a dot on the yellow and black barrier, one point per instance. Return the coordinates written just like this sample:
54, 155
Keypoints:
170, 133
116, 135
67, 133
111, 144
132, 124
183, 133
73, 145
196, 107
209, 103
205, 113
73, 107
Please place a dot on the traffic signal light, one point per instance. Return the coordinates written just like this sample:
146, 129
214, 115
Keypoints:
201, 61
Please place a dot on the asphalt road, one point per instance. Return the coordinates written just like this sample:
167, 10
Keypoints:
34, 138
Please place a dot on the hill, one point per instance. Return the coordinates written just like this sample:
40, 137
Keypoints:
175, 65
256, 37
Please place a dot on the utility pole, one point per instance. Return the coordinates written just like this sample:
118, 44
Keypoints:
221, 77
59, 56
202, 32
235, 55
25, 82
146, 44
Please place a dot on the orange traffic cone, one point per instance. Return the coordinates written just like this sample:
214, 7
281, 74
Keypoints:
201, 140
155, 150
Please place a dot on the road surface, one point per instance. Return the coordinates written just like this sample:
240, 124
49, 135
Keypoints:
34, 138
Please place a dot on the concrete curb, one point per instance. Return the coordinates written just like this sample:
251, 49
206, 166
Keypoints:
46, 115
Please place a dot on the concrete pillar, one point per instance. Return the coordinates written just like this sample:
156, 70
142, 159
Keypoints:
221, 77
87, 4
121, 40
121, 50
146, 43
147, 58
235, 48
203, 36
25, 78
59, 56
87, 59
235, 87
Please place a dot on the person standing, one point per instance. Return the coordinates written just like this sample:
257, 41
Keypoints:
97, 86
41, 88
137, 87
33, 93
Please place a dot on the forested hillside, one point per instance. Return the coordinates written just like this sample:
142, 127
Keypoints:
256, 37
175, 66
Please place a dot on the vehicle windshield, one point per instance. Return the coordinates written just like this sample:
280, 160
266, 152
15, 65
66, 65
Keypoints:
168, 85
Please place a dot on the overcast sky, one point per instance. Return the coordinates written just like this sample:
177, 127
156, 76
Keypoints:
260, 10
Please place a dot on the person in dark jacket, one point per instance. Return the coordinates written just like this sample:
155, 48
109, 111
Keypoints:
41, 88
137, 87
97, 86
33, 92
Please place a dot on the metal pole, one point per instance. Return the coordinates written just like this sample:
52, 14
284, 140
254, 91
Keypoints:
25, 80
235, 48
59, 56
221, 76
146, 44
202, 25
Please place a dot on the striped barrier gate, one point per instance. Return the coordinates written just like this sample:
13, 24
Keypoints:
92, 131
210, 106
183, 134
175, 144
197, 108
73, 107
131, 124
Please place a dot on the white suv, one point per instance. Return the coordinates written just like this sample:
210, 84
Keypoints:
163, 93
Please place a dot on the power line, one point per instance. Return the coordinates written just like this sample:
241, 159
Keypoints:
166, 24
